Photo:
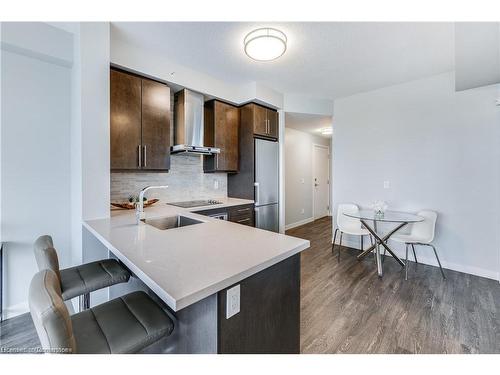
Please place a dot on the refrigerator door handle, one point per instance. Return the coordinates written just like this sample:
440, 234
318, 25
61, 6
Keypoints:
256, 217
257, 193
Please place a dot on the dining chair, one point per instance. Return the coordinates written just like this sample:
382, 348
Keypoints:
349, 225
421, 233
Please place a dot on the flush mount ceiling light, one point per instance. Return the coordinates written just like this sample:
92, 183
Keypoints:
326, 131
265, 44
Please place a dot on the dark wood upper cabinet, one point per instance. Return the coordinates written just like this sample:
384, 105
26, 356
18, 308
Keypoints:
140, 123
125, 117
221, 130
272, 121
155, 125
259, 119
265, 121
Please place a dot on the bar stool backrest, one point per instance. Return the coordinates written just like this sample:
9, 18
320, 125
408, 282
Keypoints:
425, 229
46, 255
49, 313
345, 223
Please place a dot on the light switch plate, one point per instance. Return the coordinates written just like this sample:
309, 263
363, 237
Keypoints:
233, 301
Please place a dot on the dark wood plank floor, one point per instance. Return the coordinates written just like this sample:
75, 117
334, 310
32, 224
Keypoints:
347, 308
18, 335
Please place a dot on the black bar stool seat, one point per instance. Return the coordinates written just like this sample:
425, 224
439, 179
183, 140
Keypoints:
90, 277
79, 280
128, 324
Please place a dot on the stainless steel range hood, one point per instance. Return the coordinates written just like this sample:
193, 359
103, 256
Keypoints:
188, 125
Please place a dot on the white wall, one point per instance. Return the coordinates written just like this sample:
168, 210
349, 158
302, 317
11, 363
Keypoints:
439, 150
299, 176
35, 162
54, 145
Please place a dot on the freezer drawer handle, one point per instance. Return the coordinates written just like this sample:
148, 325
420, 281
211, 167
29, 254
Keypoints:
257, 193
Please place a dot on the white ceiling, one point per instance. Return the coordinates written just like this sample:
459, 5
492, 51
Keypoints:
308, 123
327, 60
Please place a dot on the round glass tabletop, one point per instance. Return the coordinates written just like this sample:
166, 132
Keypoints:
388, 216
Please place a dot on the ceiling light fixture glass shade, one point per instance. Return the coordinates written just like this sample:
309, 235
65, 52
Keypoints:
265, 44
326, 131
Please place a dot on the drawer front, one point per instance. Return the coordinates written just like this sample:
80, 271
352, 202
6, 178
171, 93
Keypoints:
216, 211
242, 215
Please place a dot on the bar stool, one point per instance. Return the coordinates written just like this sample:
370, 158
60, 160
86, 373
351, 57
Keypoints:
128, 324
79, 280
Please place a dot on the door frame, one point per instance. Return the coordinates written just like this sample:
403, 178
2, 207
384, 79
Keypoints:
329, 179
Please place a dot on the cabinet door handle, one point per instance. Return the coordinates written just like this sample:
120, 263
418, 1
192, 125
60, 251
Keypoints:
145, 156
139, 149
244, 209
243, 220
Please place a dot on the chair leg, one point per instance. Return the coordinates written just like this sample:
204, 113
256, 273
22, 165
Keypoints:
436, 254
340, 247
406, 263
334, 236
383, 259
414, 253
362, 247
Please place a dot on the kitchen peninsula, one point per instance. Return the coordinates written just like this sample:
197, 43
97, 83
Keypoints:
194, 267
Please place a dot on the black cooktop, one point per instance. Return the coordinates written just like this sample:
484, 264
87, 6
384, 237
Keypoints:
196, 203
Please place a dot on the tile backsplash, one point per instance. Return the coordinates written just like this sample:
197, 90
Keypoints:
186, 181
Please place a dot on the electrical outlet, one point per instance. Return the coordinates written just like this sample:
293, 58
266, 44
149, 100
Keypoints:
387, 184
302, 181
302, 211
216, 184
233, 301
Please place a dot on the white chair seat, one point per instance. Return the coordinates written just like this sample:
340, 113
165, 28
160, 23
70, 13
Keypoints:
356, 231
410, 238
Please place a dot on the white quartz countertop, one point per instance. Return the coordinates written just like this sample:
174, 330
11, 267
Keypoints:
184, 265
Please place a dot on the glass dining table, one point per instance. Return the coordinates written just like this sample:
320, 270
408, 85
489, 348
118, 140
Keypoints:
399, 219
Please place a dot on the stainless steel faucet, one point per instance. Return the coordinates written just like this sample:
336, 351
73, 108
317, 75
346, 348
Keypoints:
139, 207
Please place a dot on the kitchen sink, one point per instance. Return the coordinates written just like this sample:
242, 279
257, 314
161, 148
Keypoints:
171, 222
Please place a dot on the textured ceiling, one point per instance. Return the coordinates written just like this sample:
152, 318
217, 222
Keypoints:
328, 60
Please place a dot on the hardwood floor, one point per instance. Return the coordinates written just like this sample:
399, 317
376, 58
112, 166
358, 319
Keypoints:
18, 335
347, 308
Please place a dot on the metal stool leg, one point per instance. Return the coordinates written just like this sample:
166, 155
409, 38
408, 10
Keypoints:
406, 263
340, 247
362, 247
84, 301
334, 236
436, 254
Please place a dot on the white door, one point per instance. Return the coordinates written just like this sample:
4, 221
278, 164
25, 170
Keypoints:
321, 183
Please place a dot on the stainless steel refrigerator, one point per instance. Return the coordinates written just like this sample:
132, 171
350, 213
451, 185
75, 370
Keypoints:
266, 185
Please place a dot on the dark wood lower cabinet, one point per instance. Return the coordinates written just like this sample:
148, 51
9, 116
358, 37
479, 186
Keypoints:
243, 214
269, 317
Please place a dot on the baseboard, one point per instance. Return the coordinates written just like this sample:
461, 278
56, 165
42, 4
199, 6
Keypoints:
15, 310
299, 223
431, 261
